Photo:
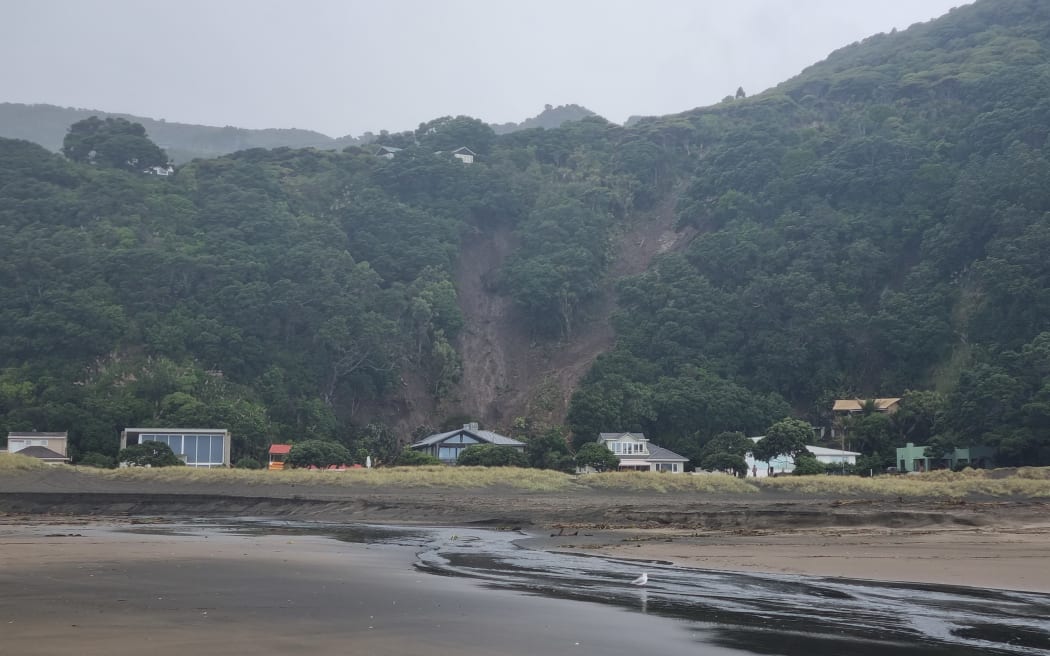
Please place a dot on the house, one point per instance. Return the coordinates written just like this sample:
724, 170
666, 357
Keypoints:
278, 452
54, 442
464, 154
165, 170
636, 453
846, 407
784, 464
198, 447
386, 152
446, 447
911, 458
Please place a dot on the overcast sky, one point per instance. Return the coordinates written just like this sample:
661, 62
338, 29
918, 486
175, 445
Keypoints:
347, 66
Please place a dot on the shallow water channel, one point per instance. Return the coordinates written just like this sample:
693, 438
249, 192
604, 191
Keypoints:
731, 612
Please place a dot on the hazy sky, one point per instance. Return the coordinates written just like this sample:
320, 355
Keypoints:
347, 66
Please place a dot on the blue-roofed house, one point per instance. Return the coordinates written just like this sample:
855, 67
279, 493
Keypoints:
447, 446
639, 454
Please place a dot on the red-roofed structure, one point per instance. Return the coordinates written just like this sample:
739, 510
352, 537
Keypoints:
277, 455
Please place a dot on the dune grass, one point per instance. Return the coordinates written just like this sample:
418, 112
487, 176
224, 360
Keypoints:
1030, 482
16, 462
532, 480
667, 483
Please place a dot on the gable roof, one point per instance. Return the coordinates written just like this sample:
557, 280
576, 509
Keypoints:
660, 453
856, 405
464, 150
277, 449
41, 452
480, 435
615, 436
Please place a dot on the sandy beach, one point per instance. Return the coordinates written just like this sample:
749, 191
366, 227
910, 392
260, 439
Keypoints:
109, 566
1001, 544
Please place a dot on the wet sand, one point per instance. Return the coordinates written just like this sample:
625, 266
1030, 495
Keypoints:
998, 558
89, 588
997, 544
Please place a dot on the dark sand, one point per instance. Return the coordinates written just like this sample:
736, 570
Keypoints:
84, 589
74, 580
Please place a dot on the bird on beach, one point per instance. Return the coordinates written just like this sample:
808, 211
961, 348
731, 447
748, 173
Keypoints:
641, 580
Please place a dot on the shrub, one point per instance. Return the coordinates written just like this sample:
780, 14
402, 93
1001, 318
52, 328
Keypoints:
248, 462
807, 465
318, 453
410, 458
100, 460
492, 455
149, 454
725, 462
597, 457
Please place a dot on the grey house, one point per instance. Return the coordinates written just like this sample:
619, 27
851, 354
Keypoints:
446, 447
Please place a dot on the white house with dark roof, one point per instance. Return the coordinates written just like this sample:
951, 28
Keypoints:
464, 154
386, 152
639, 454
447, 446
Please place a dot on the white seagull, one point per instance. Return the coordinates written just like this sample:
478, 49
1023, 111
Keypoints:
641, 580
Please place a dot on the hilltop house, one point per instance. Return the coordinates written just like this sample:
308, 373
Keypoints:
638, 454
447, 446
856, 406
783, 464
464, 154
386, 152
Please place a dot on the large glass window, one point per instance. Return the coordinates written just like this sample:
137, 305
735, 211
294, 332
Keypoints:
189, 445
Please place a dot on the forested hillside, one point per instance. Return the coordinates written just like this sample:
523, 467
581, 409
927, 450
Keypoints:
47, 124
873, 227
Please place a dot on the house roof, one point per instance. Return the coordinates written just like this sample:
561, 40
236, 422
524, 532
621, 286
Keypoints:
481, 435
660, 453
856, 405
388, 149
465, 150
277, 449
176, 430
42, 452
615, 436
19, 434
822, 451
817, 450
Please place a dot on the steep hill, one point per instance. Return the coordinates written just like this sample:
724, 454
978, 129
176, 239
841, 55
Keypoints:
875, 225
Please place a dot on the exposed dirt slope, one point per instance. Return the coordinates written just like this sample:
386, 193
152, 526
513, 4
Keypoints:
505, 373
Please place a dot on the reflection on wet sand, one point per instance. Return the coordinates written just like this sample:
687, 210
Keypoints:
262, 587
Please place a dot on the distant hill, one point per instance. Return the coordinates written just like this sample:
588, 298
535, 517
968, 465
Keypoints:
551, 117
47, 125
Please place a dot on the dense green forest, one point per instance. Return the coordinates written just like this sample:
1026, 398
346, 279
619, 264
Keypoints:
873, 227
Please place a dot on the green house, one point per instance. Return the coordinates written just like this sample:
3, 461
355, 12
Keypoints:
911, 458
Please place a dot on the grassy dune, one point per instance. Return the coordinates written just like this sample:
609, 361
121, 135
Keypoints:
1027, 482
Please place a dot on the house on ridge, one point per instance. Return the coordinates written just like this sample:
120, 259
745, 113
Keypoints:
447, 446
386, 152
637, 453
464, 154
